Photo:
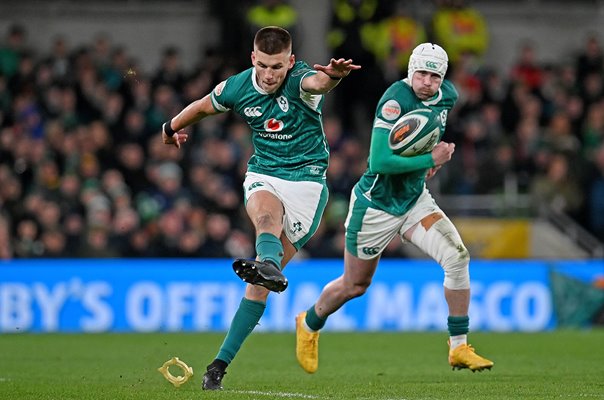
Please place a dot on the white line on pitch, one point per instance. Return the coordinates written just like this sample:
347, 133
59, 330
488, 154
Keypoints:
276, 394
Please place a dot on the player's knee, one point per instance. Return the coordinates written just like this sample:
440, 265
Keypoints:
438, 237
264, 221
357, 289
456, 266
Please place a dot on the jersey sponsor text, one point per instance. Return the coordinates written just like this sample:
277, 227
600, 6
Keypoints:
277, 136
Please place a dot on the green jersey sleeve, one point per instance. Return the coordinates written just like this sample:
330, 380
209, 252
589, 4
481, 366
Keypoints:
224, 95
293, 87
383, 161
395, 103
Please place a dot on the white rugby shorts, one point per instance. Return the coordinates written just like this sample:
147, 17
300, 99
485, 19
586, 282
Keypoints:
303, 202
369, 230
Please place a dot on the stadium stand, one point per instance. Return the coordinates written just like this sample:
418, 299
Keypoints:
83, 172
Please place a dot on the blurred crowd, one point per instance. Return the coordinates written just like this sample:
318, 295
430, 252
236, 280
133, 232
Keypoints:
84, 172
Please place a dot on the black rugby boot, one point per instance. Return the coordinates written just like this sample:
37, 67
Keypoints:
263, 273
212, 379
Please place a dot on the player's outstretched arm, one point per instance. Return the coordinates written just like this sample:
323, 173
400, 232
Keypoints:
172, 130
329, 75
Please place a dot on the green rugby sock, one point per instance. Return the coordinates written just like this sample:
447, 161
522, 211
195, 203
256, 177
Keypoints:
313, 321
458, 325
269, 248
245, 320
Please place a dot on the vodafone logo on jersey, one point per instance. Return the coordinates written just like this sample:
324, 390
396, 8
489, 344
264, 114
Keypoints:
273, 125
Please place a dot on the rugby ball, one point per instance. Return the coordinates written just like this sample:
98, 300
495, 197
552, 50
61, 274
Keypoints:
415, 133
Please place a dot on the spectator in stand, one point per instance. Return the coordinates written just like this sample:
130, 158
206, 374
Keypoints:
11, 193
395, 38
168, 186
26, 237
170, 70
592, 88
6, 250
96, 244
526, 69
218, 229
54, 244
558, 136
461, 29
526, 142
595, 194
59, 61
131, 163
590, 59
592, 134
557, 189
352, 32
273, 13
12, 50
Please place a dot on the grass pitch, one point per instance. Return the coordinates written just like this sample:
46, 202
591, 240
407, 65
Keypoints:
393, 366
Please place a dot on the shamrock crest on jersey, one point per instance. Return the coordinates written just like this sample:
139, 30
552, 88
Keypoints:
283, 103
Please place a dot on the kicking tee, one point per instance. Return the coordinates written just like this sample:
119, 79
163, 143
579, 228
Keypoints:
287, 128
397, 192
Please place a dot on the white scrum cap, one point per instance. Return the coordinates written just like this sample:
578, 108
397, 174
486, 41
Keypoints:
428, 57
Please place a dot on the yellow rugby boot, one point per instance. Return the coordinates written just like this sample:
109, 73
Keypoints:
464, 356
307, 346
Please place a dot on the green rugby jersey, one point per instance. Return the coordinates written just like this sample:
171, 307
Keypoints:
287, 127
397, 193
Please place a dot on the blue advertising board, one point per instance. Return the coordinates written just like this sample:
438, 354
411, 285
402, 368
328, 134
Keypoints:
149, 295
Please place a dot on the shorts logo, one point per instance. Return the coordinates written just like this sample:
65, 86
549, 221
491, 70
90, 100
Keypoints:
273, 125
391, 110
296, 227
283, 103
370, 251
254, 186
252, 111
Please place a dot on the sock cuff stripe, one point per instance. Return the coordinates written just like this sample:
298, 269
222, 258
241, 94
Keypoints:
268, 237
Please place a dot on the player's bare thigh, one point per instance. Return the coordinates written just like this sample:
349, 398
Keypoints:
358, 271
266, 212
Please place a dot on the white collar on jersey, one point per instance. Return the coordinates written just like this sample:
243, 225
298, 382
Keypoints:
255, 83
433, 100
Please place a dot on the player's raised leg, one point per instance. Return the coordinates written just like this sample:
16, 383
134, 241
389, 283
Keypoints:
266, 213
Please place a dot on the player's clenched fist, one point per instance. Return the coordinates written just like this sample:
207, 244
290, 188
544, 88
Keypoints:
176, 138
442, 152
